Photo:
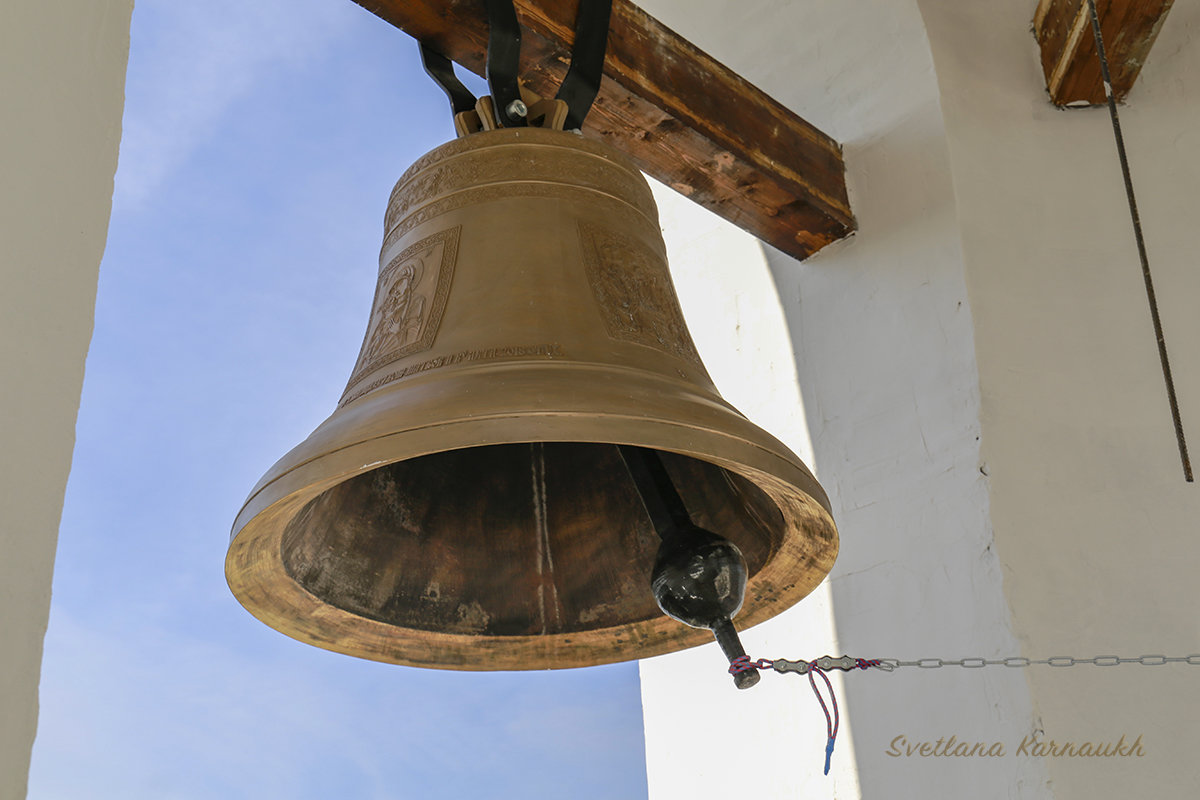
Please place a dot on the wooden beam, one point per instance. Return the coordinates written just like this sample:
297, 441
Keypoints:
680, 115
1064, 31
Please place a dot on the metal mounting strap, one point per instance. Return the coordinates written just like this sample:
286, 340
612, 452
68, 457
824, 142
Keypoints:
441, 69
582, 83
578, 90
503, 62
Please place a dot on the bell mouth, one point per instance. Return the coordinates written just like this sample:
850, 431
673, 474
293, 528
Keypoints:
509, 540
412, 529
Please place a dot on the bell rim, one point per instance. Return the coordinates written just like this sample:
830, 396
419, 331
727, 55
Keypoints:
257, 577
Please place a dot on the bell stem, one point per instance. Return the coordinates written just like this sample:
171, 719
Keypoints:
667, 512
732, 646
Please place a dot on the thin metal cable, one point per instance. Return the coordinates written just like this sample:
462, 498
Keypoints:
1141, 243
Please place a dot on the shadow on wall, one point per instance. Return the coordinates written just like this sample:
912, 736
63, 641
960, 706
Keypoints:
884, 346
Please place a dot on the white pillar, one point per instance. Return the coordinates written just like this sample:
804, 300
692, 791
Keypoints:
62, 77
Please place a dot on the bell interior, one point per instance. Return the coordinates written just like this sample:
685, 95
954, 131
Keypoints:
509, 539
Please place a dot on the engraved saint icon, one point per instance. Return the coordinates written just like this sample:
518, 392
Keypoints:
633, 287
401, 313
410, 299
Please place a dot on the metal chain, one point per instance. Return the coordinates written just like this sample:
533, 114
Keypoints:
889, 664
819, 666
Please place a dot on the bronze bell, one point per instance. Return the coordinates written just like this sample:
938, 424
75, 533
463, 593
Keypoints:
465, 506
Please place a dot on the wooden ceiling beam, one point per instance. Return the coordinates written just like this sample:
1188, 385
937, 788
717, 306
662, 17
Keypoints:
680, 115
1064, 32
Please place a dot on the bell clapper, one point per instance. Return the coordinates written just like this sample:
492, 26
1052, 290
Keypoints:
699, 578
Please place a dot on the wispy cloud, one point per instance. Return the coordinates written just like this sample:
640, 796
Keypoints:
192, 62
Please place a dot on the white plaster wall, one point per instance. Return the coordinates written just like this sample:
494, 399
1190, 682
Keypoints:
878, 332
715, 748
1095, 526
62, 77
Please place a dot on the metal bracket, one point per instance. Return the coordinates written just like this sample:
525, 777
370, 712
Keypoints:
582, 83
503, 62
441, 69
462, 100
510, 105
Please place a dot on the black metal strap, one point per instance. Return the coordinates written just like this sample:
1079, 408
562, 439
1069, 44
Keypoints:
441, 69
579, 87
504, 61
582, 83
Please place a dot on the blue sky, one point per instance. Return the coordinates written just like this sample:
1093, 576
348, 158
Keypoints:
260, 143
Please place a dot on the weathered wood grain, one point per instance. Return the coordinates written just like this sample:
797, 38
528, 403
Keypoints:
679, 114
1064, 33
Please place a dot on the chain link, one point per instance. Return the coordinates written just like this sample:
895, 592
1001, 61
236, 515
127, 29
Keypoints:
889, 664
